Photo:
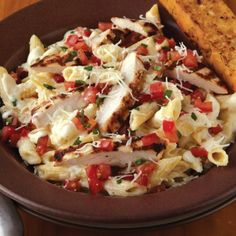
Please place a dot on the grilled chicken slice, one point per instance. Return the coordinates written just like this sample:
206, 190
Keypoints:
53, 63
115, 158
145, 28
115, 108
99, 39
203, 78
41, 116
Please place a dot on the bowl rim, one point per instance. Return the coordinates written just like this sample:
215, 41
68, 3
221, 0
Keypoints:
203, 194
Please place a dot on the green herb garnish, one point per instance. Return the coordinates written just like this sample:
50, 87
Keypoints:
48, 86
139, 162
99, 101
119, 181
88, 68
64, 48
9, 120
96, 131
73, 53
106, 67
14, 102
144, 45
193, 116
168, 93
77, 141
157, 68
79, 82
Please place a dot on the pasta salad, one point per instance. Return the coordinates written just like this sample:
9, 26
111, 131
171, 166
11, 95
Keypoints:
120, 109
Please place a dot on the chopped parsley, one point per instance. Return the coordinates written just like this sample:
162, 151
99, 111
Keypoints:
83, 120
157, 68
96, 131
72, 55
9, 120
106, 67
48, 86
79, 82
119, 181
168, 93
14, 102
88, 68
193, 116
144, 45
77, 141
64, 48
99, 101
139, 162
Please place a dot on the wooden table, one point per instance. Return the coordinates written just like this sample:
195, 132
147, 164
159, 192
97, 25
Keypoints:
221, 223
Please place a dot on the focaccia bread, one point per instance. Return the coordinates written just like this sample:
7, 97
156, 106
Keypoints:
212, 26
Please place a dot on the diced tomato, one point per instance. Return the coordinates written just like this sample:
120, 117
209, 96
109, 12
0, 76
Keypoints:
150, 139
173, 56
70, 85
170, 130
83, 31
14, 139
103, 26
7, 132
197, 94
95, 60
204, 107
190, 60
215, 130
87, 32
58, 78
92, 123
144, 97
157, 90
103, 171
142, 50
42, 145
97, 174
90, 94
160, 39
31, 126
104, 88
147, 168
82, 45
162, 56
171, 43
77, 123
199, 152
142, 180
106, 145
82, 57
23, 131
72, 185
72, 40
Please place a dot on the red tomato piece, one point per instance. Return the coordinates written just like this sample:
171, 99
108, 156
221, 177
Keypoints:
199, 152
142, 180
23, 132
103, 172
146, 168
171, 43
95, 60
144, 97
157, 90
170, 130
70, 85
142, 50
215, 130
82, 45
90, 94
72, 40
190, 60
14, 139
95, 186
82, 57
173, 56
58, 78
204, 107
160, 39
103, 88
198, 94
77, 123
87, 32
42, 144
162, 56
72, 185
150, 139
106, 145
103, 26
7, 132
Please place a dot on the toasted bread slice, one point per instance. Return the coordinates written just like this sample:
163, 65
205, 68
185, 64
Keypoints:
211, 25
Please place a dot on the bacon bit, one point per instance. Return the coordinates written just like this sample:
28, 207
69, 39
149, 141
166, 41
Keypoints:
197, 94
204, 107
95, 60
42, 144
58, 78
150, 139
103, 26
82, 45
72, 185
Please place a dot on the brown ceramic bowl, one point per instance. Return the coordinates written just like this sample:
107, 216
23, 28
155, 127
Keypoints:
49, 19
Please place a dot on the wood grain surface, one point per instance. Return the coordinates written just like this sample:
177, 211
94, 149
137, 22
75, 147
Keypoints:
221, 223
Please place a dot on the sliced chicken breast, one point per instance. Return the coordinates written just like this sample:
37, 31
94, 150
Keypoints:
115, 109
203, 78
